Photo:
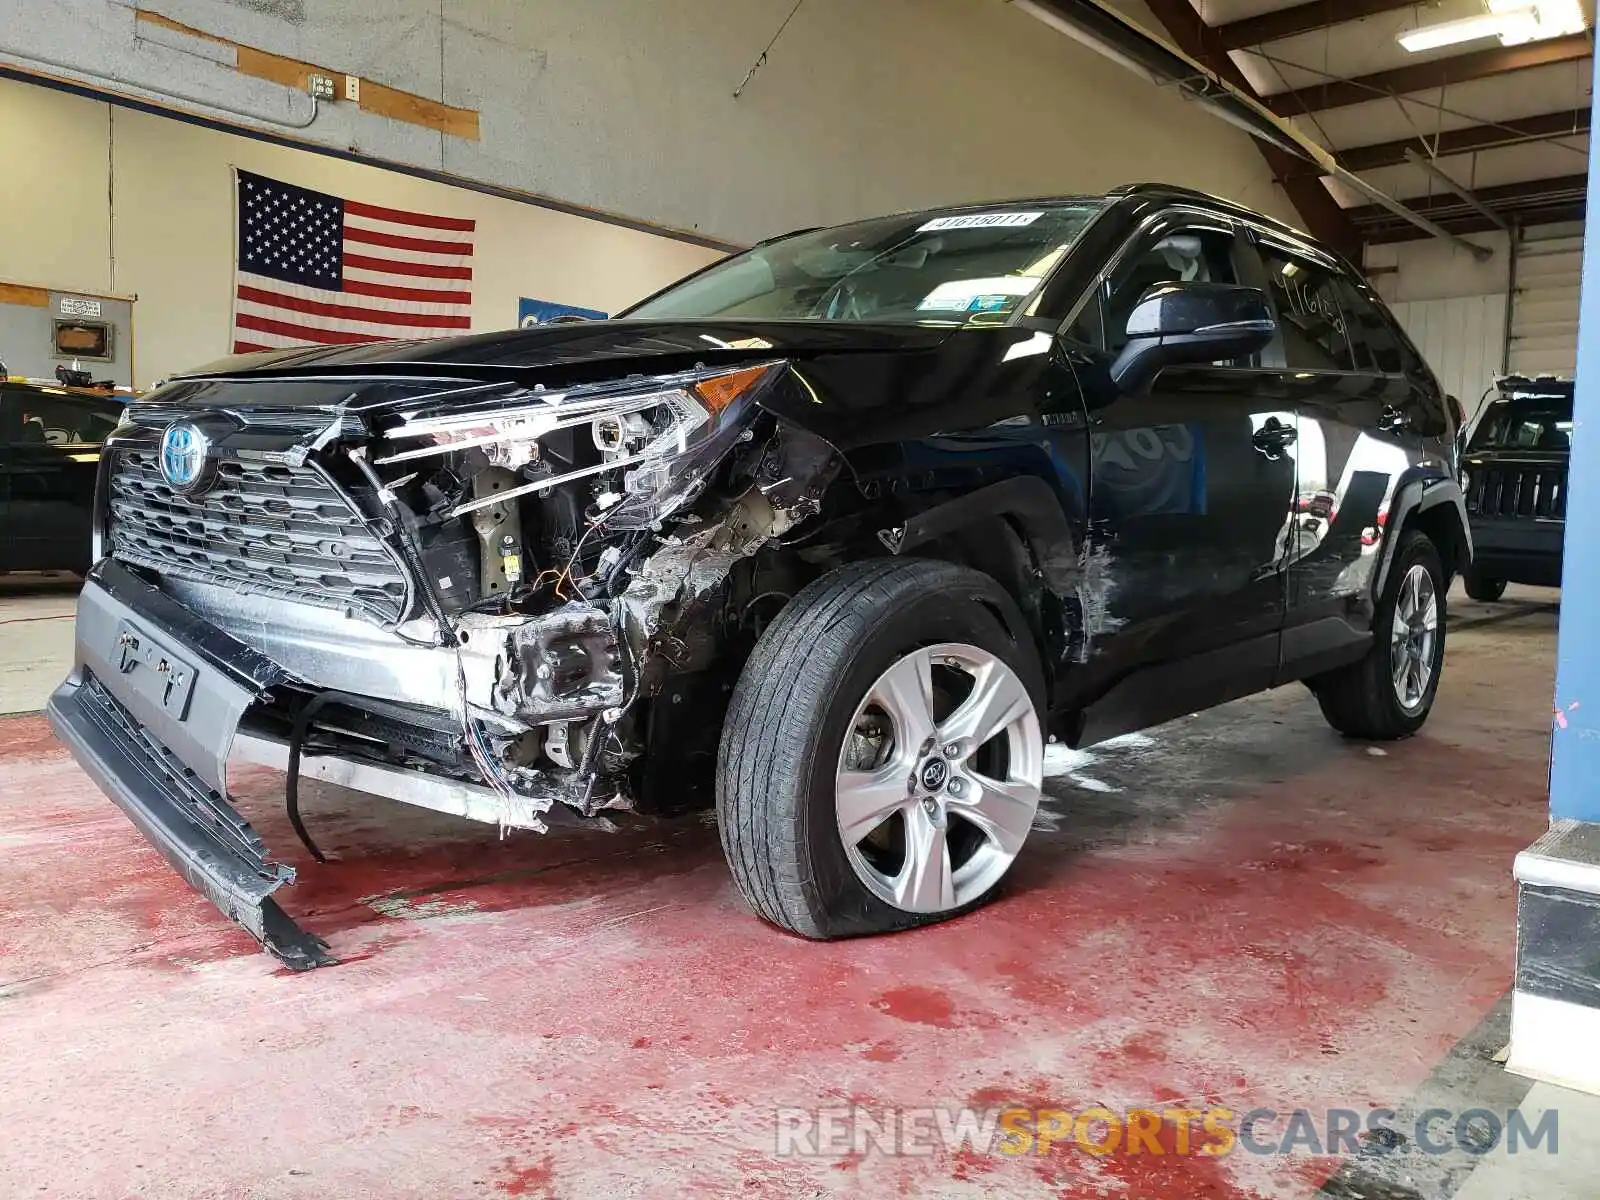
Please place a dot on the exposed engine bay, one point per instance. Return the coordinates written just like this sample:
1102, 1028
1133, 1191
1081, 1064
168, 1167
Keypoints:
592, 561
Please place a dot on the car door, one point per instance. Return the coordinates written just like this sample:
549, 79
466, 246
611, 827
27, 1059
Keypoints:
1190, 489
1357, 425
52, 446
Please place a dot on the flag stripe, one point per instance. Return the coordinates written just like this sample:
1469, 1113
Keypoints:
350, 312
361, 287
373, 326
427, 258
247, 347
399, 217
273, 341
374, 237
376, 306
306, 333
425, 270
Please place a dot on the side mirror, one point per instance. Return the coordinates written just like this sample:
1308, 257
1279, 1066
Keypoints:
1176, 323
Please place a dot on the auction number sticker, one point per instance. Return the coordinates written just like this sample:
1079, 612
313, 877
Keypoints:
1001, 220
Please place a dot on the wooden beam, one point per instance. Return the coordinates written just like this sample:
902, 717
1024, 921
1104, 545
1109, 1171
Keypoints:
376, 98
1427, 76
1317, 208
22, 293
1302, 18
1464, 141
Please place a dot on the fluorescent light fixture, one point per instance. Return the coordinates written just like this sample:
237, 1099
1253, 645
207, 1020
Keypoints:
1542, 19
1512, 21
1449, 33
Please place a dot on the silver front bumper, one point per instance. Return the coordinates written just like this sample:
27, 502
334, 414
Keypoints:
150, 711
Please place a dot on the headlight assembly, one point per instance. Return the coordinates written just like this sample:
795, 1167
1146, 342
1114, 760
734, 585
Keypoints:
663, 433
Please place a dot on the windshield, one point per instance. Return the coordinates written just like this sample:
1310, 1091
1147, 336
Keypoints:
1526, 423
970, 266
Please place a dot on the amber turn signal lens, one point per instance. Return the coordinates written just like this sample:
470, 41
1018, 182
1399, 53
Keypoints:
720, 391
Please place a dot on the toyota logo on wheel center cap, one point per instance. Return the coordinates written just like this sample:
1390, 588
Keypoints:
185, 457
935, 774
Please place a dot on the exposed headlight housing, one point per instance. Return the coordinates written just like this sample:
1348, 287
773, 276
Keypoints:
664, 432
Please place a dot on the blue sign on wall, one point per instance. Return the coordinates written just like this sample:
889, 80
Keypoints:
538, 312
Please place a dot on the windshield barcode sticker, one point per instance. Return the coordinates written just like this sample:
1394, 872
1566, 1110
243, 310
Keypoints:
1004, 220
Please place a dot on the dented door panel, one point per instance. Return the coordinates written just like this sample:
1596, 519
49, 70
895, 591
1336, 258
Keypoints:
1354, 451
1189, 492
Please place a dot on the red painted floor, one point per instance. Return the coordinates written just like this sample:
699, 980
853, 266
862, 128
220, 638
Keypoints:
1243, 912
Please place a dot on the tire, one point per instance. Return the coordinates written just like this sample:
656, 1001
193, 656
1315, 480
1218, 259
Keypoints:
1481, 587
1363, 700
811, 681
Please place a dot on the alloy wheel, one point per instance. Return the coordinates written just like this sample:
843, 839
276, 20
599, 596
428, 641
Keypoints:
939, 777
1414, 637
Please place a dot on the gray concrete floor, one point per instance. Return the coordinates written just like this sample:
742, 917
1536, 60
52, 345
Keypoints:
1518, 631
35, 637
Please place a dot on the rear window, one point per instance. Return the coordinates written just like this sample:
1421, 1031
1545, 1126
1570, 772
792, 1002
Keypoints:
1525, 423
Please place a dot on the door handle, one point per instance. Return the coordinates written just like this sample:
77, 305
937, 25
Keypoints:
1272, 437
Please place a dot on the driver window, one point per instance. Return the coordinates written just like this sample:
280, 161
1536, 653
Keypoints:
1183, 255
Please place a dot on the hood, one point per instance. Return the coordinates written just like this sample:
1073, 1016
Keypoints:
581, 344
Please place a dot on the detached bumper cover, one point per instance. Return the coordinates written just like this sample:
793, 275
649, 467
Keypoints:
150, 712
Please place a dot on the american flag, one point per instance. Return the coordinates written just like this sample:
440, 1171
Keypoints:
314, 269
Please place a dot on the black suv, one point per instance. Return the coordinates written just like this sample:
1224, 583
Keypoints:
50, 440
841, 530
1514, 473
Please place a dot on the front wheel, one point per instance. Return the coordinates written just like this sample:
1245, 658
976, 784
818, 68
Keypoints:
1389, 693
882, 759
1482, 587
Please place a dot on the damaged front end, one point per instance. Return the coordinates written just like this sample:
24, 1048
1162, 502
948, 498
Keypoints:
487, 598
607, 521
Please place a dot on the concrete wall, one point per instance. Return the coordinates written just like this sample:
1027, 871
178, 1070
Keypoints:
115, 200
627, 105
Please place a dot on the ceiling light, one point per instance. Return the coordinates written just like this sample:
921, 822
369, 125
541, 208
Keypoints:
1512, 21
1449, 33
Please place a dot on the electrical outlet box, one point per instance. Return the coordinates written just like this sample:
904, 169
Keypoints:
320, 86
352, 88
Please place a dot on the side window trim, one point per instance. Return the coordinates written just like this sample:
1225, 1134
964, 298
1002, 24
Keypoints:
1097, 286
1270, 240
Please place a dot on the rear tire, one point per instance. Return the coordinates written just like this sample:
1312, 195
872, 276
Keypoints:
1482, 587
1369, 699
787, 778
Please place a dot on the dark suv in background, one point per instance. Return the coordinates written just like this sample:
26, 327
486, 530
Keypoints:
840, 530
1514, 473
50, 438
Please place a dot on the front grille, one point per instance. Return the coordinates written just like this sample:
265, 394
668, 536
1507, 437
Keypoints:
198, 801
1534, 492
272, 529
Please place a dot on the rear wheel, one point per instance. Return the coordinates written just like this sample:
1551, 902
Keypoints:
882, 759
1389, 693
1483, 587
